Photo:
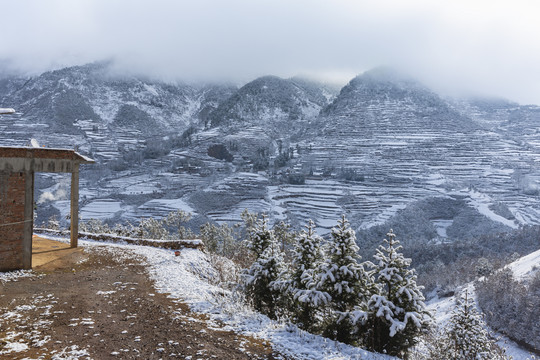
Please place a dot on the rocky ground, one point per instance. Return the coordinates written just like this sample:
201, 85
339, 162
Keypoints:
97, 304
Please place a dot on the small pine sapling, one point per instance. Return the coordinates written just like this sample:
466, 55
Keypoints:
177, 219
260, 236
466, 336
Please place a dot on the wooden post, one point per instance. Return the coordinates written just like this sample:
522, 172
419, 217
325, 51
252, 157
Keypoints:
74, 205
28, 219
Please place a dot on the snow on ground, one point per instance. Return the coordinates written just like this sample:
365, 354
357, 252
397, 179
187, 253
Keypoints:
64, 206
513, 350
435, 179
163, 206
188, 277
441, 226
481, 202
101, 209
32, 337
526, 265
233, 214
71, 353
442, 308
133, 185
383, 216
14, 275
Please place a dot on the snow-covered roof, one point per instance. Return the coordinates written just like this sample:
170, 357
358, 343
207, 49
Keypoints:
7, 111
43, 153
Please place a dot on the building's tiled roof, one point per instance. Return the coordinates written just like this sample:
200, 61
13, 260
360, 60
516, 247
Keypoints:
43, 153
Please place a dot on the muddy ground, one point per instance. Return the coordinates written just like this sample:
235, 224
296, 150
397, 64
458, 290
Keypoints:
95, 304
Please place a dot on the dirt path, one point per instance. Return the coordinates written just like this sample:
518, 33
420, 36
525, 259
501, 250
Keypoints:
95, 304
49, 255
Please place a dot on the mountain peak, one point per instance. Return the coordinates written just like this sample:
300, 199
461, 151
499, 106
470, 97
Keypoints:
386, 77
272, 99
384, 93
386, 73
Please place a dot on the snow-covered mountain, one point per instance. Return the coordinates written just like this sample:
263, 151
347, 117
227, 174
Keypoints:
270, 100
368, 97
110, 110
291, 147
94, 92
391, 141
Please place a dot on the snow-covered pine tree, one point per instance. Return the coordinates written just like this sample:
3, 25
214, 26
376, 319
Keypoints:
396, 315
343, 277
284, 235
268, 265
303, 299
260, 236
151, 228
177, 219
466, 336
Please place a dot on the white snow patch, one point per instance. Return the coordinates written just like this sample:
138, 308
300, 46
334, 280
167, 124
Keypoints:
167, 205
14, 275
441, 226
382, 217
435, 179
151, 89
64, 206
481, 202
14, 347
101, 209
526, 265
105, 292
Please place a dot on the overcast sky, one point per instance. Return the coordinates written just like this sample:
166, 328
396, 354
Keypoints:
490, 47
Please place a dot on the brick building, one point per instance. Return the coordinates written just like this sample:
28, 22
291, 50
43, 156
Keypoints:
17, 168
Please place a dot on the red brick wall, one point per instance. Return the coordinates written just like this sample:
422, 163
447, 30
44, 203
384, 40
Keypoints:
12, 188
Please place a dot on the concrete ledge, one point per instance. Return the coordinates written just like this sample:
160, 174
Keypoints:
164, 244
